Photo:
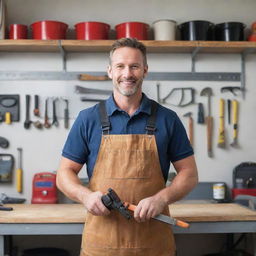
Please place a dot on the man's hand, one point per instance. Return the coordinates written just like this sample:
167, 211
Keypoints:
93, 204
149, 207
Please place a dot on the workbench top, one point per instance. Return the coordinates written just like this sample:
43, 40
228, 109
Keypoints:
75, 213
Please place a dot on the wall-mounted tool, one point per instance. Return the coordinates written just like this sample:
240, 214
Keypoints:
200, 113
44, 190
87, 77
207, 91
10, 108
229, 111
27, 122
235, 123
231, 89
54, 114
66, 114
84, 90
221, 138
46, 118
190, 127
112, 201
19, 172
6, 167
4, 143
36, 108
183, 101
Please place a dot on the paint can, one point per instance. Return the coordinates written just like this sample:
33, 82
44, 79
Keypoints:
164, 29
219, 191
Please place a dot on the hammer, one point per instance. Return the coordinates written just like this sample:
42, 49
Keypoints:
190, 127
207, 91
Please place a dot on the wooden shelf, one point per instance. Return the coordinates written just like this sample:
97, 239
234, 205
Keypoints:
104, 46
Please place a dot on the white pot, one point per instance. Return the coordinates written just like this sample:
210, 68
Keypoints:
164, 29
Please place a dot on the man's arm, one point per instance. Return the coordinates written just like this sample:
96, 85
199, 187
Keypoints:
182, 184
69, 183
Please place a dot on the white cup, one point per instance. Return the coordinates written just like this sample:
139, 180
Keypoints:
164, 29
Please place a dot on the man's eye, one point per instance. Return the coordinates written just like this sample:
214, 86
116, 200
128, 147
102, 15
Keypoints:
119, 66
134, 66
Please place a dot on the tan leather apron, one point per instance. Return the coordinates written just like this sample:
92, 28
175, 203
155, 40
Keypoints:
130, 165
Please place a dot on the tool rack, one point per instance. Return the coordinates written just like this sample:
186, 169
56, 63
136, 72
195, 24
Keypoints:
186, 47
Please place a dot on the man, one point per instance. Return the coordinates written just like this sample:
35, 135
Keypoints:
127, 144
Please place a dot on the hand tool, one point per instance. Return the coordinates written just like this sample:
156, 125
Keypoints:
8, 118
4, 143
4, 199
6, 167
221, 138
19, 178
235, 122
200, 113
207, 91
66, 114
182, 102
87, 77
91, 99
36, 109
38, 124
229, 111
231, 89
54, 115
27, 121
4, 208
83, 90
46, 118
9, 108
190, 127
112, 201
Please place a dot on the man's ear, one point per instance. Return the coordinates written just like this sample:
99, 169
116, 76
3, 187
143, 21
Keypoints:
109, 72
145, 71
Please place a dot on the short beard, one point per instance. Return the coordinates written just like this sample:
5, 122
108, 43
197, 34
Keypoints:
129, 92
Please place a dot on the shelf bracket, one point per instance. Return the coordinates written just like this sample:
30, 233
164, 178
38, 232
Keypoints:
193, 58
63, 55
243, 55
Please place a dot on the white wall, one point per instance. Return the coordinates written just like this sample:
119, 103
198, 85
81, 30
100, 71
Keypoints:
42, 149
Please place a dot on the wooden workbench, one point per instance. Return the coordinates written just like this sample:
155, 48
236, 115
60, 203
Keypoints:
75, 213
68, 219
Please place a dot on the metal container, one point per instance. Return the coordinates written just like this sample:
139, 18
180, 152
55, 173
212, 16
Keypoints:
164, 29
219, 191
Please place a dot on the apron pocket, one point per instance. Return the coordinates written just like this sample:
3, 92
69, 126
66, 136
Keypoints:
132, 164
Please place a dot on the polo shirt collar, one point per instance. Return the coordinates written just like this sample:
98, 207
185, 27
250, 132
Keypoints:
144, 107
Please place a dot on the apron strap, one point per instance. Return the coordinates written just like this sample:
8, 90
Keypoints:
151, 123
105, 124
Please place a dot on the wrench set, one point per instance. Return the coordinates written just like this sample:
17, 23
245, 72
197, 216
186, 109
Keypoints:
50, 102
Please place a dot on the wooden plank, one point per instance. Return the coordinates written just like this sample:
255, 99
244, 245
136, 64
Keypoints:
75, 213
153, 46
29, 45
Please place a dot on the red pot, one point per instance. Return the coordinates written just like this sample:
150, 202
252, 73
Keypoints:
92, 30
18, 31
137, 30
49, 29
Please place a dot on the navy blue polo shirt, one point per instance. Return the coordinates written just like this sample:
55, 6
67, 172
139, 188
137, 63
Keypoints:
82, 144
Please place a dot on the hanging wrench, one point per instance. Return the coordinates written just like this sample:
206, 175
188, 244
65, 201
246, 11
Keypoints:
54, 115
46, 118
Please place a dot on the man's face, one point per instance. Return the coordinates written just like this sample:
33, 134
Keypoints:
127, 70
